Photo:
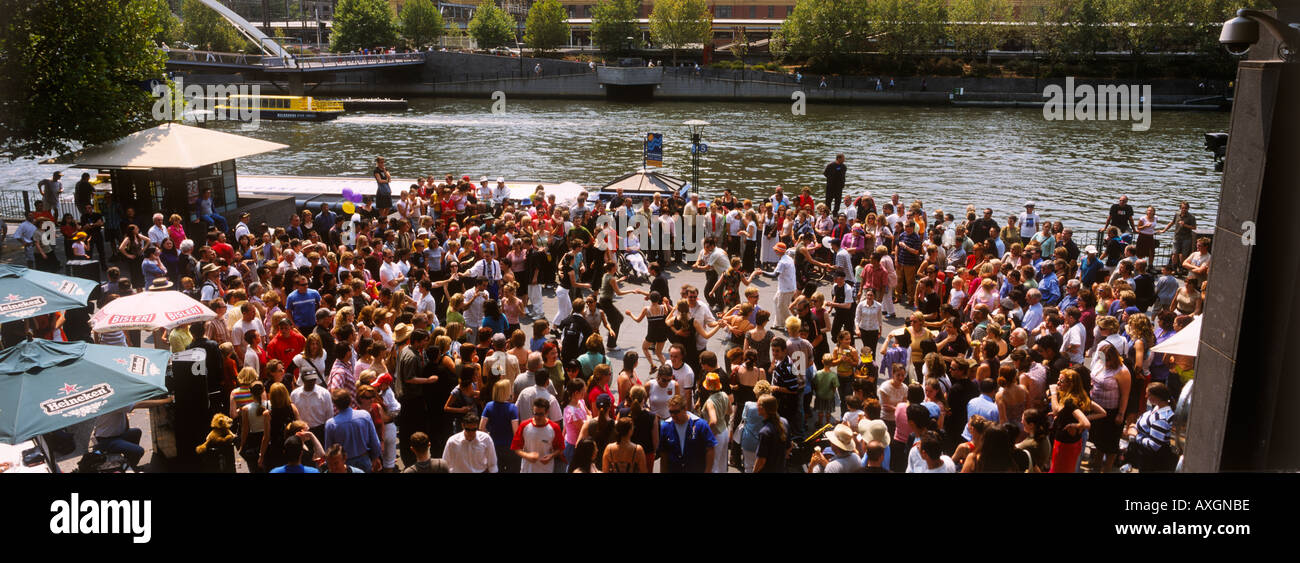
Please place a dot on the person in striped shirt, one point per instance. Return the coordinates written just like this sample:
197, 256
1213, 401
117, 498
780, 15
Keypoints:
1149, 447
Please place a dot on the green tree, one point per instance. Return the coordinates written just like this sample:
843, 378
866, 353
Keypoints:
548, 26
421, 23
169, 26
491, 26
362, 24
825, 34
908, 26
1146, 26
1066, 30
206, 29
678, 23
74, 72
612, 23
979, 29
740, 47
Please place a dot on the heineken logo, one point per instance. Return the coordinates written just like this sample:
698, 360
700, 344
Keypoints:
74, 398
184, 313
14, 305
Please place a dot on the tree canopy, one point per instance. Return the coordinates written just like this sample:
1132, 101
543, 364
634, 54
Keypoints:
421, 23
612, 23
362, 24
77, 72
207, 30
491, 26
548, 26
677, 23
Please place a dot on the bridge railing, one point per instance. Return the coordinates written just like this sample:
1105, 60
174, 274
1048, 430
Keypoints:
215, 57
344, 60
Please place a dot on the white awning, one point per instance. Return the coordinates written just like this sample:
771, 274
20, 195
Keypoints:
1186, 343
170, 145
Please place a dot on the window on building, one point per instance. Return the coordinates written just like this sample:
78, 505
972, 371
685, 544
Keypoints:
753, 11
789, 10
771, 11
724, 12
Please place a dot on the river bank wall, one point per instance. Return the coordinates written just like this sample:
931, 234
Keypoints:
462, 75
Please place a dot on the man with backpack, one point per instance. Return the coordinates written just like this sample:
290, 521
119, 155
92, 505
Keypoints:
574, 331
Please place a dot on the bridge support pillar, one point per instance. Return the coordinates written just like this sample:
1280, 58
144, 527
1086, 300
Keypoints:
295, 85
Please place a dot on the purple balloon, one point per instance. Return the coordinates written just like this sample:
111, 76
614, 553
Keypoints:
357, 198
347, 194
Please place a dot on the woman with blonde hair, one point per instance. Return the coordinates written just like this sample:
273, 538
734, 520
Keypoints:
242, 394
752, 420
501, 420
1073, 412
1141, 338
276, 420
645, 431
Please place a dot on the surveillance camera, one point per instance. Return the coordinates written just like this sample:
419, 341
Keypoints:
1239, 34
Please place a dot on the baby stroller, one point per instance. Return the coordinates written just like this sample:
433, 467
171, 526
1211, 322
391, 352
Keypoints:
632, 265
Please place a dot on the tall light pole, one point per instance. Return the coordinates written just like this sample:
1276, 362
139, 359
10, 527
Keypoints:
697, 128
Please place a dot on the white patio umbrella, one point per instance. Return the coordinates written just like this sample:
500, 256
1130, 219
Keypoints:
150, 310
1185, 343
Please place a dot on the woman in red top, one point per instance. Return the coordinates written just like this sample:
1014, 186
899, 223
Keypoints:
805, 199
599, 385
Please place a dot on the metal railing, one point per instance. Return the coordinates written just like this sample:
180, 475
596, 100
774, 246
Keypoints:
215, 58
14, 205
344, 60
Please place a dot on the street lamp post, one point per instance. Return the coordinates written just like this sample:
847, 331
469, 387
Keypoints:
697, 128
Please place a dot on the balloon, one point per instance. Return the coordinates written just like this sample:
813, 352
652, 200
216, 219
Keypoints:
348, 208
358, 198
347, 194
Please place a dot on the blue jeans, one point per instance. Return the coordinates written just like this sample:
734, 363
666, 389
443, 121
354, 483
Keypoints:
563, 466
127, 444
215, 220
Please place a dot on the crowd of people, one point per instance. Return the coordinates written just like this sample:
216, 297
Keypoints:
410, 335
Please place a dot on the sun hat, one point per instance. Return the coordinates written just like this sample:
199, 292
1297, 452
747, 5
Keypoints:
403, 332
873, 430
712, 382
841, 437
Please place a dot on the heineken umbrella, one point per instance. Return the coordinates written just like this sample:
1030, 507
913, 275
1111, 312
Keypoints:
150, 310
26, 293
47, 385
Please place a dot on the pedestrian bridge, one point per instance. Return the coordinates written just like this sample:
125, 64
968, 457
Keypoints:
196, 60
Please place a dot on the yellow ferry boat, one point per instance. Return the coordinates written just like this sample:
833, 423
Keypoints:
292, 108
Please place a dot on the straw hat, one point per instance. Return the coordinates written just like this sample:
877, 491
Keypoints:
160, 284
403, 332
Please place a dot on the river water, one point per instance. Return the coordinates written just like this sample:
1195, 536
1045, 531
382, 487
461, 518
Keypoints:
947, 157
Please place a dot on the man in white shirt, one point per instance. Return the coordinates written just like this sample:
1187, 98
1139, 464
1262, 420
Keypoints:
485, 191
930, 457
390, 273
470, 451
501, 194
714, 263
313, 402
539, 390
248, 321
683, 373
700, 313
474, 298
1075, 338
786, 284
1034, 312
538, 440
26, 234
844, 262
488, 269
158, 232
242, 229
1029, 224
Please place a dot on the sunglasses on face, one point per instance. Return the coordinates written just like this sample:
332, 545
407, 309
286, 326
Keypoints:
674, 412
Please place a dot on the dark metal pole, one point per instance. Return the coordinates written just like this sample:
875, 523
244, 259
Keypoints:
695, 162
